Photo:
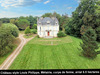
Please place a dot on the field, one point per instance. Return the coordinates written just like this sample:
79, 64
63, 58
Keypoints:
56, 53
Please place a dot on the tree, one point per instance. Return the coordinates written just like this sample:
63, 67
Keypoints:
22, 17
98, 33
98, 8
6, 41
83, 29
13, 29
89, 44
0, 23
34, 26
31, 20
23, 23
58, 16
63, 22
16, 22
89, 19
12, 21
47, 15
5, 20
98, 20
27, 30
83, 15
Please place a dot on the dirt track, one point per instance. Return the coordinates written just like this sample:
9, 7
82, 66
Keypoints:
7, 63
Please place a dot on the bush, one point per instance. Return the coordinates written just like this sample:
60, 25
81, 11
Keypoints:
27, 30
34, 31
13, 29
61, 34
37, 36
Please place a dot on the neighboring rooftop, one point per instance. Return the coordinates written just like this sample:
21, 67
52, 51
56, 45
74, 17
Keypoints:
48, 20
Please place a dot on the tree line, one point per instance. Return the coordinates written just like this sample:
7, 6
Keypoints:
8, 33
21, 22
85, 24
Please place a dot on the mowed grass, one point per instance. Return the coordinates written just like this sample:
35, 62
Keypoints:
64, 55
52, 41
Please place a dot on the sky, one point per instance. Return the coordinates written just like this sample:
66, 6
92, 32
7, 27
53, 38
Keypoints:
16, 8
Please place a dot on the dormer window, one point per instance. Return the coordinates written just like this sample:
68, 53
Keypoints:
56, 23
39, 22
48, 22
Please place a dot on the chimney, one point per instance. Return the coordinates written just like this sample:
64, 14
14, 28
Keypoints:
41, 18
37, 18
53, 18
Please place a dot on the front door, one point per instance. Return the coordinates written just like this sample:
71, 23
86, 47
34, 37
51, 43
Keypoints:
48, 33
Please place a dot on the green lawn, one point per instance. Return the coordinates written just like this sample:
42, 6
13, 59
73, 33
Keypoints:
62, 55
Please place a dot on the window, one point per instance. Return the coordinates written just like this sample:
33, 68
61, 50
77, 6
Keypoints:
48, 22
56, 23
39, 22
40, 28
40, 33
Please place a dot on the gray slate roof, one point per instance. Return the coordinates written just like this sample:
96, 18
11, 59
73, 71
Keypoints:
44, 21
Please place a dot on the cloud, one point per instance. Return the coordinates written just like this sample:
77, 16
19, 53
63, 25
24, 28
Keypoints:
69, 7
78, 1
17, 3
69, 15
10, 14
46, 1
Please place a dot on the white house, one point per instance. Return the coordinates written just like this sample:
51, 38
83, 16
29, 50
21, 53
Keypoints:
47, 27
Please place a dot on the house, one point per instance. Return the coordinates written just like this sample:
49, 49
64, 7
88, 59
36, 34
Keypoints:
47, 27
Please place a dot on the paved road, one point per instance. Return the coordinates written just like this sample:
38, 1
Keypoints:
7, 63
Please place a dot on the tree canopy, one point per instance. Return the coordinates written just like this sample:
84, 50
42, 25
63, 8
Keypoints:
13, 29
6, 40
23, 23
83, 15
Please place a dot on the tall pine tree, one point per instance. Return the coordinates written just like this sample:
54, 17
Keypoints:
98, 20
89, 44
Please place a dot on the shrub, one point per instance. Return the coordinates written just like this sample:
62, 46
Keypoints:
27, 30
61, 34
37, 36
34, 31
